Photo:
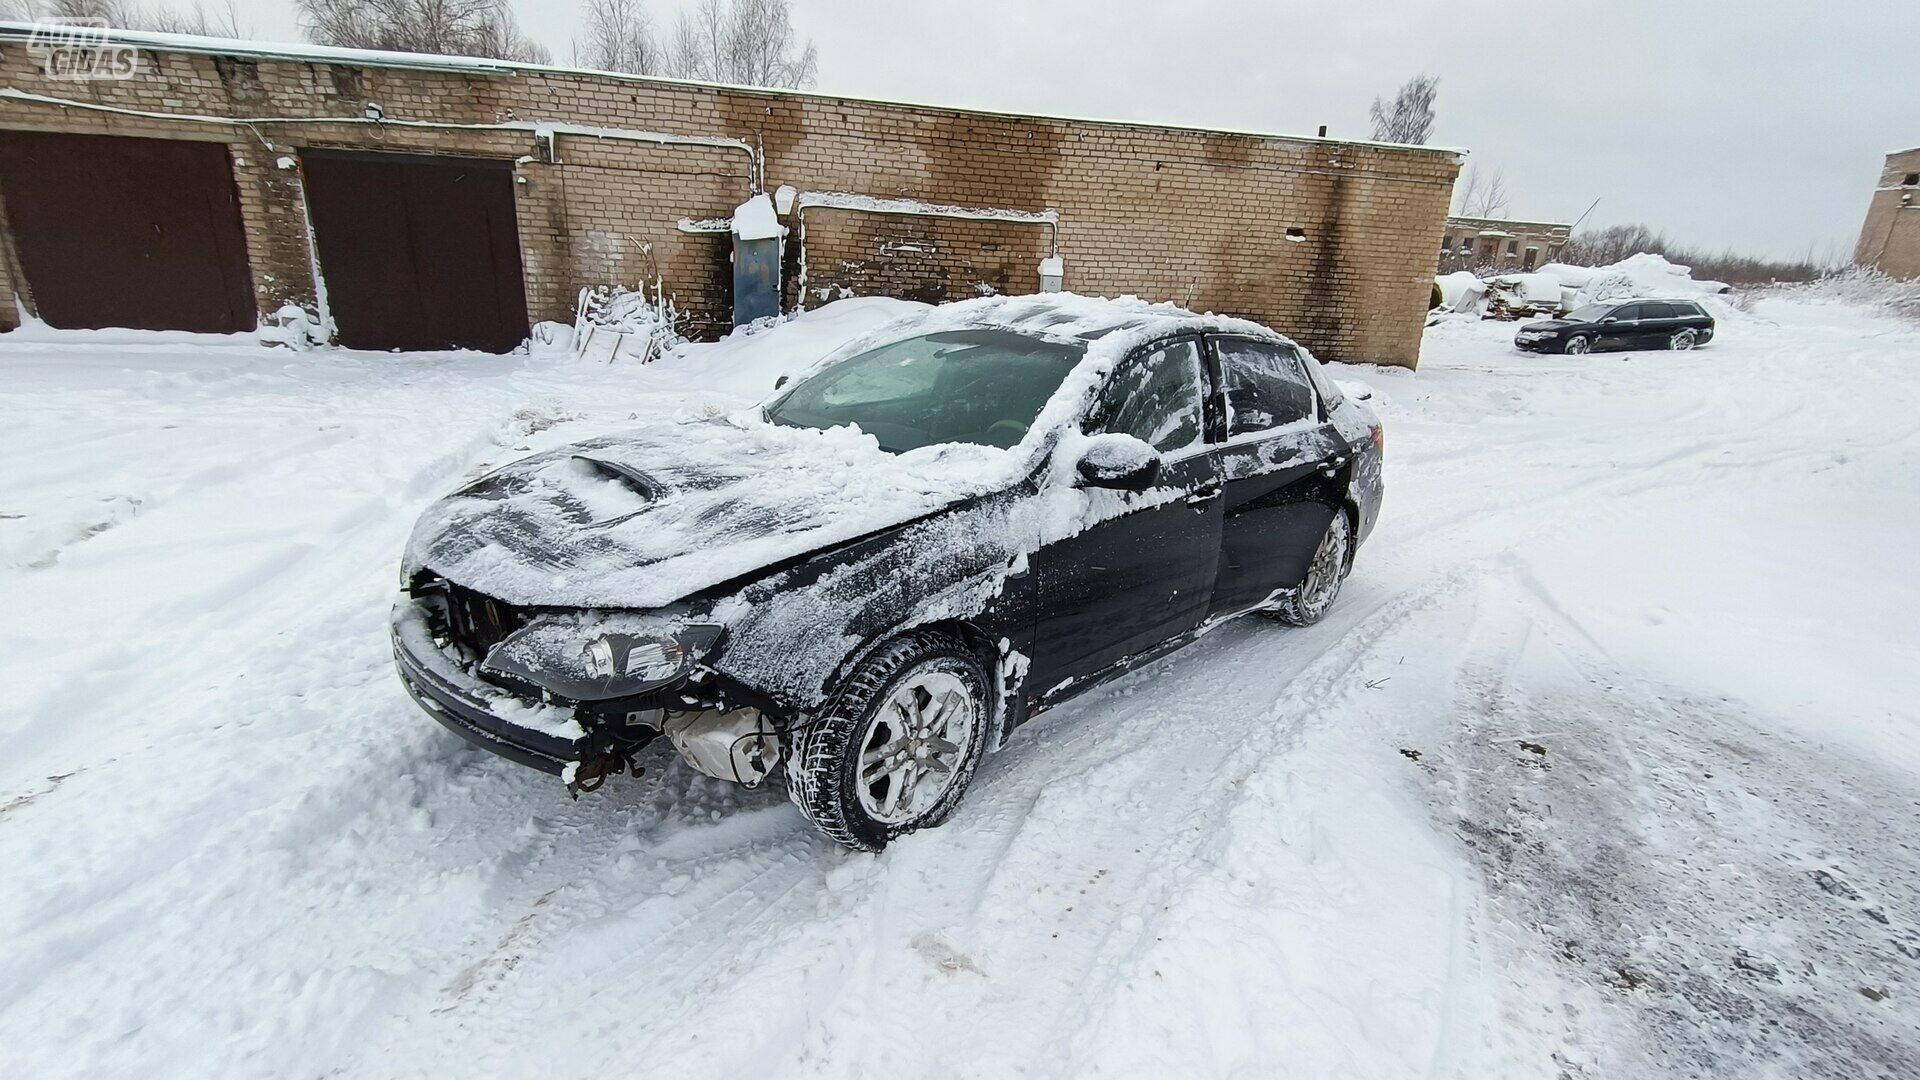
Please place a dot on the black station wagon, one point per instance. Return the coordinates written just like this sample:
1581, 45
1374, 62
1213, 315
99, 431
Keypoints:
868, 582
1619, 325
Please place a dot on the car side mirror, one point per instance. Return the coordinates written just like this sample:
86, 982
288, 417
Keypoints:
779, 382
1118, 461
1608, 319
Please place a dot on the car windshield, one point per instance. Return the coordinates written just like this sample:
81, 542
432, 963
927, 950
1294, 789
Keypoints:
1591, 313
982, 386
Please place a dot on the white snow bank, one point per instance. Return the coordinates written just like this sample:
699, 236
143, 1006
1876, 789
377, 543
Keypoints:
1637, 275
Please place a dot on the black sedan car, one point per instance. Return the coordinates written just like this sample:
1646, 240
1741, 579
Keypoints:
1620, 325
870, 581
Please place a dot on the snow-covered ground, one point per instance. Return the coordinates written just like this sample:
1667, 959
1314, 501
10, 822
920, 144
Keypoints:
1607, 763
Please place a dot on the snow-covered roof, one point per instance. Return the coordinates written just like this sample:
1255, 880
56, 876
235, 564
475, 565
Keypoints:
1461, 219
302, 52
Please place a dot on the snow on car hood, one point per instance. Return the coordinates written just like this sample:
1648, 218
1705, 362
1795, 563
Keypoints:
643, 518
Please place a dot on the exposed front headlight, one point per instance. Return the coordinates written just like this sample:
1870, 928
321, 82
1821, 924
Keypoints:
651, 659
591, 657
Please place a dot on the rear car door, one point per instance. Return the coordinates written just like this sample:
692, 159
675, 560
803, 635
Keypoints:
1657, 324
1143, 572
1280, 467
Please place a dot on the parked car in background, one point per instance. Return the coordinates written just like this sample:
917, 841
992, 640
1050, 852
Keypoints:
1619, 325
939, 531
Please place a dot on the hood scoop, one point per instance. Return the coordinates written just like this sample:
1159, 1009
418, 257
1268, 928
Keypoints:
625, 475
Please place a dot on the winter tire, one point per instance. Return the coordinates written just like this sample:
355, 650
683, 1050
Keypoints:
1306, 604
1577, 345
897, 743
1682, 341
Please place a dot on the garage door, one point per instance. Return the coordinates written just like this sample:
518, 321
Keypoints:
114, 231
417, 252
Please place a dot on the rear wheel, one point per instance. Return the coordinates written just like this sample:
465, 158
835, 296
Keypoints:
1305, 605
1577, 345
1685, 339
898, 743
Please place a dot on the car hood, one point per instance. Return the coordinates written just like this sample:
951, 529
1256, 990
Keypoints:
1547, 324
643, 518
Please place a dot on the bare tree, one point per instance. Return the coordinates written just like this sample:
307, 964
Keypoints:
124, 14
1409, 119
749, 42
219, 21
1481, 194
619, 37
451, 27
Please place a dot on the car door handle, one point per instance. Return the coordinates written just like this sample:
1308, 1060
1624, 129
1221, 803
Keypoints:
1202, 496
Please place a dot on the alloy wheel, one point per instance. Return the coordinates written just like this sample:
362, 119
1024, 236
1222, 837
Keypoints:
914, 745
1577, 344
1683, 340
1327, 568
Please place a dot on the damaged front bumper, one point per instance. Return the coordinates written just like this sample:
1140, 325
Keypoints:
581, 741
544, 737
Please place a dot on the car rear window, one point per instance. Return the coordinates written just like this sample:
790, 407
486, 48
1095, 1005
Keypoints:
1266, 384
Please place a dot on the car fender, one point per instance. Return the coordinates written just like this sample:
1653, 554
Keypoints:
792, 634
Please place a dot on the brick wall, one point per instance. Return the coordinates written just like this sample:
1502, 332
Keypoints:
1890, 238
1330, 242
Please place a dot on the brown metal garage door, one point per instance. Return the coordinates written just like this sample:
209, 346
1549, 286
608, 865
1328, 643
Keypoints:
114, 231
417, 252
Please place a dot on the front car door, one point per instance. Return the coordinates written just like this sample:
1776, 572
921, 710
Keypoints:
1142, 573
1281, 471
1621, 328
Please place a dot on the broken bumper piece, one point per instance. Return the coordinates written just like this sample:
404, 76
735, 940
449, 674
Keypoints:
544, 737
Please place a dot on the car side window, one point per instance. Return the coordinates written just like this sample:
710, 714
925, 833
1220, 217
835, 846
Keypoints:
1266, 385
1155, 396
1628, 312
1656, 311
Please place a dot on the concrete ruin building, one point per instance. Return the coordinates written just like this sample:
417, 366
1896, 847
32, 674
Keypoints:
1474, 243
1890, 239
412, 202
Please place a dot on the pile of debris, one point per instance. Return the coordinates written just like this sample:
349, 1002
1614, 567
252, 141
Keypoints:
618, 323
1558, 288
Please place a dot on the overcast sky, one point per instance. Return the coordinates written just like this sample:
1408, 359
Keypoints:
1753, 124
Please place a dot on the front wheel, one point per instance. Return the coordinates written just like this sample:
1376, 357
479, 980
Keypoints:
896, 745
1577, 345
1306, 605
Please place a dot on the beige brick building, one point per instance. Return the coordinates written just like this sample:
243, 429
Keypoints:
1890, 239
617, 179
1472, 243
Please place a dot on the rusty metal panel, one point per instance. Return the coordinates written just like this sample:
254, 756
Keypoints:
417, 252
117, 231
